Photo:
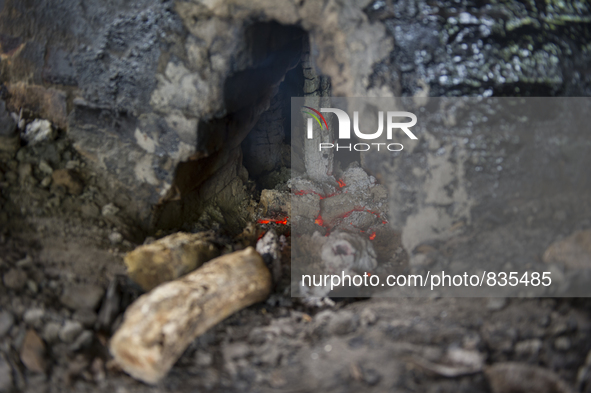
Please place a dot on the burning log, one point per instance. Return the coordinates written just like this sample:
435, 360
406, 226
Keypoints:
159, 326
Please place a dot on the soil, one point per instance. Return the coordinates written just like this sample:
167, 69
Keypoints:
60, 254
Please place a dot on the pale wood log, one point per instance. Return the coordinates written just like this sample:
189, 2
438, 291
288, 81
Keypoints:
159, 326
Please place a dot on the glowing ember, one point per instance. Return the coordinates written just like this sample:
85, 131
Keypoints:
282, 221
319, 220
306, 192
341, 183
372, 236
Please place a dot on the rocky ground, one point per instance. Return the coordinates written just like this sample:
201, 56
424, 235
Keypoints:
61, 261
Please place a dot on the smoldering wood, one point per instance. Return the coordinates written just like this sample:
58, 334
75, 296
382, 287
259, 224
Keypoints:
159, 326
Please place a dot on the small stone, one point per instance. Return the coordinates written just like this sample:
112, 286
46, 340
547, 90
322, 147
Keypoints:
343, 322
5, 375
53, 202
79, 297
83, 340
72, 164
562, 343
90, 210
109, 210
25, 262
46, 182
39, 131
34, 317
25, 173
496, 303
115, 237
97, 368
70, 331
68, 179
235, 351
45, 168
203, 359
9, 137
15, 279
32, 286
368, 317
85, 316
51, 332
528, 347
574, 252
6, 322
32, 352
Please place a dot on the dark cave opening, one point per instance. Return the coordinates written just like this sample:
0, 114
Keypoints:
250, 141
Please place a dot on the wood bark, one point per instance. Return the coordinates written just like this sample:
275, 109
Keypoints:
159, 326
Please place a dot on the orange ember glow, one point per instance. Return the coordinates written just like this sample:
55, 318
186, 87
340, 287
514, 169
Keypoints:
341, 183
372, 236
319, 220
282, 221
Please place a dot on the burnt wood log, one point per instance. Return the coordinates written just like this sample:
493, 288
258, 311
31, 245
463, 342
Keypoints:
159, 326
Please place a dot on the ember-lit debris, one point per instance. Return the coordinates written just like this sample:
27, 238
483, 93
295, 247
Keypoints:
345, 218
345, 251
270, 249
274, 202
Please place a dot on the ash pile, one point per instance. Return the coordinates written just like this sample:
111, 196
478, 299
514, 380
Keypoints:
341, 227
339, 217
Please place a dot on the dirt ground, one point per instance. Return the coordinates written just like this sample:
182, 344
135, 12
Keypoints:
61, 248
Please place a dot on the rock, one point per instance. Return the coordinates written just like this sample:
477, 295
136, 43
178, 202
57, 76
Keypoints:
115, 237
5, 375
496, 303
368, 317
83, 340
90, 210
343, 322
344, 251
562, 343
268, 247
47, 103
86, 317
34, 317
39, 131
69, 179
25, 173
32, 352
45, 167
574, 252
524, 378
169, 258
235, 351
78, 296
15, 279
6, 322
275, 203
25, 262
9, 137
109, 210
306, 205
70, 331
528, 347
46, 182
51, 332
